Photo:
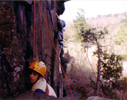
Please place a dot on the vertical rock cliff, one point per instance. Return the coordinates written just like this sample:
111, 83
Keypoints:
16, 42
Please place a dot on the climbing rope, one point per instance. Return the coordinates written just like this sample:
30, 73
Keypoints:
34, 31
54, 48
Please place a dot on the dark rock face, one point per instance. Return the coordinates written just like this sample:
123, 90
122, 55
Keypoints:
29, 95
11, 67
60, 7
16, 44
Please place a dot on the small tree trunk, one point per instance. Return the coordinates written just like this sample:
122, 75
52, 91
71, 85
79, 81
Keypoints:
98, 67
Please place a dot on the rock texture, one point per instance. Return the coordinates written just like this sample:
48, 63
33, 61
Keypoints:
29, 95
16, 43
97, 98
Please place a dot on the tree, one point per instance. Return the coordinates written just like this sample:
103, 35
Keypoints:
108, 65
80, 25
85, 34
93, 36
111, 66
110, 72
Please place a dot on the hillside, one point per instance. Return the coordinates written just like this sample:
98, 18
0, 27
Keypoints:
82, 65
113, 23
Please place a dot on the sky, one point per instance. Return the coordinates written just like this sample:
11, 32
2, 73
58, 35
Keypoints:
93, 8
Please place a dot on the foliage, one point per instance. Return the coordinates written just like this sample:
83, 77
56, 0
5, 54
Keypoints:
124, 56
104, 89
125, 19
123, 84
108, 91
94, 34
111, 70
92, 84
80, 25
120, 36
109, 15
83, 33
111, 66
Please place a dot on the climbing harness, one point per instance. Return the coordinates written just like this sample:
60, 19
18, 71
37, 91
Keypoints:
47, 89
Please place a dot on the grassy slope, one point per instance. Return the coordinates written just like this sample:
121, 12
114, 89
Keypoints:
79, 69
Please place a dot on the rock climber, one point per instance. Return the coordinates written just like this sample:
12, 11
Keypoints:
37, 72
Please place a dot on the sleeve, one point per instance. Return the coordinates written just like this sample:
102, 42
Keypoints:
39, 91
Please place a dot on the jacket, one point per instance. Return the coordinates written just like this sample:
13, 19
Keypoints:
41, 84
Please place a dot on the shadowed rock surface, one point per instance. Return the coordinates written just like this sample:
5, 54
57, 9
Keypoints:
29, 95
16, 43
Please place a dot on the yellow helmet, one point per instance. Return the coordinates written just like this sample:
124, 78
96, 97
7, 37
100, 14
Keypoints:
39, 67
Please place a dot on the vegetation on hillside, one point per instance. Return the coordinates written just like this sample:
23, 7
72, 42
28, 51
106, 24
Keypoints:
120, 36
80, 25
110, 72
109, 63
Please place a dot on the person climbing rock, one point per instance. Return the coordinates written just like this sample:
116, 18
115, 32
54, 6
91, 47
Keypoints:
62, 24
37, 72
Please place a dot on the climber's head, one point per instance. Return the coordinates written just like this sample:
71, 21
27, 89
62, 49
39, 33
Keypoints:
63, 24
37, 70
